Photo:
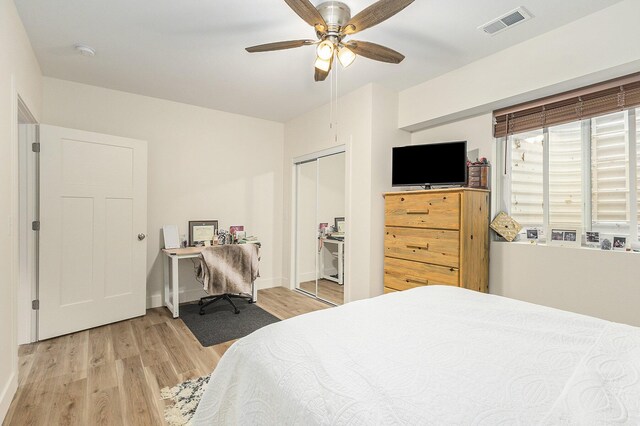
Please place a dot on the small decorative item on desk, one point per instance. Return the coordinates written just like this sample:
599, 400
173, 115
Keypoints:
478, 173
222, 237
201, 231
506, 226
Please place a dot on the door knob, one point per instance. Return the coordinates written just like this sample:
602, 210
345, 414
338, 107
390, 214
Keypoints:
141, 236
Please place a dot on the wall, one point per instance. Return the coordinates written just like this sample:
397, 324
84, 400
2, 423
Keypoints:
368, 128
203, 164
585, 281
588, 50
19, 74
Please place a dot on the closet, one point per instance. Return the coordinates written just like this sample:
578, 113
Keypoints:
320, 227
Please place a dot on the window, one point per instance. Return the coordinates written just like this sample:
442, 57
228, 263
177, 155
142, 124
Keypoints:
584, 173
527, 203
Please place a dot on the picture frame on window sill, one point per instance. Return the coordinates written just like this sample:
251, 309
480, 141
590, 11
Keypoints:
566, 236
592, 239
606, 242
619, 243
533, 234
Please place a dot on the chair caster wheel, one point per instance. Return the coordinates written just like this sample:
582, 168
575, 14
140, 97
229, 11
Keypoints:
200, 302
201, 312
237, 312
251, 302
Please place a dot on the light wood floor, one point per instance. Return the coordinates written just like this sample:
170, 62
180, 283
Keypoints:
327, 290
112, 375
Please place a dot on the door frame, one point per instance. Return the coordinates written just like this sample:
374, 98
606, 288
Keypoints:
26, 247
314, 156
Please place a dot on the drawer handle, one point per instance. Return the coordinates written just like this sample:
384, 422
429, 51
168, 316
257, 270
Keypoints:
418, 211
417, 281
418, 247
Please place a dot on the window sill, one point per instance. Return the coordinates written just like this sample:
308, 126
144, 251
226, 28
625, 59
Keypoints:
539, 244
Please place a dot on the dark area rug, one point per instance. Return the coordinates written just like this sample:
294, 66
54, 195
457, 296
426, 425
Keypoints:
219, 324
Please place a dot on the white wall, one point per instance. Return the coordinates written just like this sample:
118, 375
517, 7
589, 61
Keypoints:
203, 164
602, 284
597, 47
19, 74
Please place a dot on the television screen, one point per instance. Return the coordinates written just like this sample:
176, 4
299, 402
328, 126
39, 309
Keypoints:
432, 164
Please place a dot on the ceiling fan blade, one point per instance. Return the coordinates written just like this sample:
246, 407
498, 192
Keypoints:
309, 13
375, 51
374, 14
279, 45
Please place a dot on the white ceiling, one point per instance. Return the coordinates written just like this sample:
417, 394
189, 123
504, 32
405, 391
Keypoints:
192, 51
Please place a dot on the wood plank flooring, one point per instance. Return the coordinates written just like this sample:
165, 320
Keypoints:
112, 375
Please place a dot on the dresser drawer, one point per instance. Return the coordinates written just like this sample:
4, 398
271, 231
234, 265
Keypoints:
439, 210
419, 273
435, 246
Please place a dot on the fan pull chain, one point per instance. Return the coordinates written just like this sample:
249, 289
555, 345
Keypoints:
337, 69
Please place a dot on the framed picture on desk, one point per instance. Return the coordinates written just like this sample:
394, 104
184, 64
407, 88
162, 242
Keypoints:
201, 231
339, 224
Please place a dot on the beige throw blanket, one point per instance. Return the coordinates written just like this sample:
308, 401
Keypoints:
228, 268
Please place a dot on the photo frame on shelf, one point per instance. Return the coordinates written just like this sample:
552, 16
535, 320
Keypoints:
201, 231
563, 235
339, 224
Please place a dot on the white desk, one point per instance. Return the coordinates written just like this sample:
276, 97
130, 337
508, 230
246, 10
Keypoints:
340, 250
171, 277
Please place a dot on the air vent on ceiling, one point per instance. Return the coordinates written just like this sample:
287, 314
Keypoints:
506, 21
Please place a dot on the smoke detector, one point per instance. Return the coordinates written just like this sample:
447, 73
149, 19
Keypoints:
85, 50
505, 21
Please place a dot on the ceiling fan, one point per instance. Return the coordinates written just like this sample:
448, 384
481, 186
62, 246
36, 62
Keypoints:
333, 23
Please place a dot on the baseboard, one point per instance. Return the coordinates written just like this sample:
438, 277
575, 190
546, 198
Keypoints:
7, 395
191, 294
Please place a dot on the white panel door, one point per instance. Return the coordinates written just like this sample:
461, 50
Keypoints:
93, 206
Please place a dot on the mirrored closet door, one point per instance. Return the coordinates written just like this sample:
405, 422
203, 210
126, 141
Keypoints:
320, 227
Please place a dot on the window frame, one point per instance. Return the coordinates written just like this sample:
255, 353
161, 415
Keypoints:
630, 229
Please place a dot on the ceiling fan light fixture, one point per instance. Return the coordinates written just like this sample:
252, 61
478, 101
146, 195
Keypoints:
325, 50
323, 64
346, 56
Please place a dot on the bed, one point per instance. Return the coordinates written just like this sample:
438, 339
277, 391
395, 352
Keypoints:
432, 355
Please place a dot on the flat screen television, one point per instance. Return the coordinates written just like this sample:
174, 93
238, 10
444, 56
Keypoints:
430, 165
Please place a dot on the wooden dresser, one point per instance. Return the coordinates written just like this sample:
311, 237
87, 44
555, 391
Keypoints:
438, 236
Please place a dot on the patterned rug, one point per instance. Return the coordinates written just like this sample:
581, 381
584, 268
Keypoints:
186, 397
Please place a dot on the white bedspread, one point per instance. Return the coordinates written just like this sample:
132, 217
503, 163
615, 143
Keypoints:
434, 355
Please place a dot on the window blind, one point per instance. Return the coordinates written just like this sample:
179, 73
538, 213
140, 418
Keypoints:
565, 174
609, 174
527, 203
612, 96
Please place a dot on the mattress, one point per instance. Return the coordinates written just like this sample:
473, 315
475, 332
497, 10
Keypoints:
432, 355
